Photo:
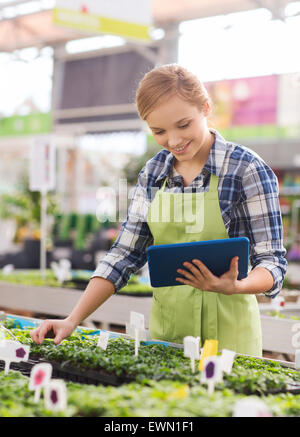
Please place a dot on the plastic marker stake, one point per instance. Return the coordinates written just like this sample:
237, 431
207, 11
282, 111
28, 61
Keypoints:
55, 395
13, 351
297, 359
227, 359
251, 408
103, 340
212, 373
40, 376
210, 349
137, 320
144, 334
191, 349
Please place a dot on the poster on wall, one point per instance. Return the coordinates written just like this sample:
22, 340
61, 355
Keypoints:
244, 102
288, 100
106, 16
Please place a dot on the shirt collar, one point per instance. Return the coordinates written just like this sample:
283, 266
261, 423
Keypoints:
213, 164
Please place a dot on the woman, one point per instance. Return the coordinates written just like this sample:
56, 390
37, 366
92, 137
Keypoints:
239, 197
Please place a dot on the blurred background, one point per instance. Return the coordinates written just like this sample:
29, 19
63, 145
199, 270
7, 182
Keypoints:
68, 75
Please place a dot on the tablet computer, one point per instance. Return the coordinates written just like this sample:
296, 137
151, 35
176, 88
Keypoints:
165, 259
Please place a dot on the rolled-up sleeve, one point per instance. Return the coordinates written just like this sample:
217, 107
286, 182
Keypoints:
259, 218
128, 254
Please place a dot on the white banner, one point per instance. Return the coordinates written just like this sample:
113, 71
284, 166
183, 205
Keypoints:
127, 18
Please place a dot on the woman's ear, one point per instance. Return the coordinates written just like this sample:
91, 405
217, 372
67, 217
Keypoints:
206, 109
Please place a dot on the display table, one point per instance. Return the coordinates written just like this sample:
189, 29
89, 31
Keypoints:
60, 302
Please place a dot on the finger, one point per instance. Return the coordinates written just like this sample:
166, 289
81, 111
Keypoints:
43, 329
187, 274
34, 334
194, 269
234, 266
186, 282
58, 338
203, 269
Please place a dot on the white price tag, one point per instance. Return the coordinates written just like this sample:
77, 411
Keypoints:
212, 372
55, 395
192, 349
13, 351
227, 359
251, 408
103, 340
40, 376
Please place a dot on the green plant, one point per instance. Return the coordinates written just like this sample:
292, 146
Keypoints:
156, 362
24, 206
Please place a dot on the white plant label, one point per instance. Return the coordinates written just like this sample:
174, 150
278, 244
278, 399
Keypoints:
144, 334
62, 270
212, 372
251, 408
192, 349
40, 376
55, 395
227, 359
103, 340
13, 351
137, 320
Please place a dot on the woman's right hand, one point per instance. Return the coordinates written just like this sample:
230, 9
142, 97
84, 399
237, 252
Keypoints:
60, 328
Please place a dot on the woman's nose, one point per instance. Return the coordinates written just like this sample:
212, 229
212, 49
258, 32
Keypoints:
174, 141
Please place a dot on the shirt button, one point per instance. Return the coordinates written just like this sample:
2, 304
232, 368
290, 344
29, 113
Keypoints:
204, 172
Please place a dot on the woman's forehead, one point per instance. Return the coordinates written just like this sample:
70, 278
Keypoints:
173, 110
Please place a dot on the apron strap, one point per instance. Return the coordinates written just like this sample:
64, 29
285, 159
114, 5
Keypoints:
213, 183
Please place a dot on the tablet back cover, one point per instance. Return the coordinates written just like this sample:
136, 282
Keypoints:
165, 259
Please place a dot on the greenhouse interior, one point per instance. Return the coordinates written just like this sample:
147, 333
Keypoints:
113, 115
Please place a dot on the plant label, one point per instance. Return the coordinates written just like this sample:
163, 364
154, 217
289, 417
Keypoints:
103, 340
227, 359
212, 372
191, 349
40, 376
137, 342
55, 395
251, 408
13, 351
144, 334
137, 320
297, 359
62, 270
210, 349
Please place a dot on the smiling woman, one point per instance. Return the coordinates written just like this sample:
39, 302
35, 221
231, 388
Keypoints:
239, 198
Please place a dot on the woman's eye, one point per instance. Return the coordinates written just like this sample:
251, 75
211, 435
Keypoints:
184, 126
158, 133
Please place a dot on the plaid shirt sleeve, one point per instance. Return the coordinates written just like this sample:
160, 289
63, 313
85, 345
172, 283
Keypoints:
258, 217
128, 254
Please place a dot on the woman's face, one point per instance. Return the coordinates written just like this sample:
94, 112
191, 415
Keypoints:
180, 128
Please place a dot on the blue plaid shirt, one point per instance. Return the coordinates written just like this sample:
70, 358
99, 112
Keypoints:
248, 197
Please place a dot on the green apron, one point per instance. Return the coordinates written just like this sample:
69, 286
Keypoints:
182, 310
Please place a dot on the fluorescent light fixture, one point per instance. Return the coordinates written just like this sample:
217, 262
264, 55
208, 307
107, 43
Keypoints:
28, 7
93, 43
292, 9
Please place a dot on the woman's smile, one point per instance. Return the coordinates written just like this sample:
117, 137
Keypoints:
182, 149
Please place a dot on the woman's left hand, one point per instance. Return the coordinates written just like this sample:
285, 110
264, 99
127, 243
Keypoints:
199, 276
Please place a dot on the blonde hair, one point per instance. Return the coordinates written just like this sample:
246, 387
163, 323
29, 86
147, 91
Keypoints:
165, 81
